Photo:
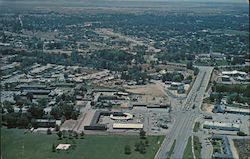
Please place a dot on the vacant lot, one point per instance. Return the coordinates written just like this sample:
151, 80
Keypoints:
150, 89
243, 148
16, 145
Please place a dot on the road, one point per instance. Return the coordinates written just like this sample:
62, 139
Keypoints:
185, 115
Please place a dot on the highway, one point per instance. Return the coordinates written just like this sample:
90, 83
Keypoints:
185, 115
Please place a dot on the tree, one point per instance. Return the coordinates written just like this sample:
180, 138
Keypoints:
7, 105
11, 120
240, 133
23, 121
247, 92
142, 148
42, 102
36, 111
49, 131
82, 135
59, 134
142, 134
196, 71
75, 135
57, 127
137, 146
29, 96
127, 150
146, 143
190, 65
53, 148
56, 112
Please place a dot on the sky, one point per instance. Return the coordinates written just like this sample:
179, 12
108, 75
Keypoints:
145, 0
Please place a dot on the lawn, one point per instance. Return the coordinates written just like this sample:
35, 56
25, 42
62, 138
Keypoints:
16, 144
216, 146
197, 147
196, 127
188, 150
222, 62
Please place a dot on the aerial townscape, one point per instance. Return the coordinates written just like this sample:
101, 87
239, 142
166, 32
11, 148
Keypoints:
125, 79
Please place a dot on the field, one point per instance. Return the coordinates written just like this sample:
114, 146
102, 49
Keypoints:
197, 147
196, 127
150, 89
17, 144
242, 146
188, 150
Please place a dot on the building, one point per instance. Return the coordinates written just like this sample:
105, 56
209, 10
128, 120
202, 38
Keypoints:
221, 126
221, 108
225, 78
127, 126
121, 116
234, 73
45, 123
226, 152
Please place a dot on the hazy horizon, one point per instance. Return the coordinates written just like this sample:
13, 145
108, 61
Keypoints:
201, 1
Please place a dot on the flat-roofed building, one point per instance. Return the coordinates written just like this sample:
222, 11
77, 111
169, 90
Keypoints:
221, 126
127, 126
237, 110
234, 73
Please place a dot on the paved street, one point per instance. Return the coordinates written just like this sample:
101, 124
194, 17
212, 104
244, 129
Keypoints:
185, 115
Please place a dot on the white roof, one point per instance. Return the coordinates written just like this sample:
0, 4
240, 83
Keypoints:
63, 146
127, 117
176, 83
240, 110
127, 126
233, 72
225, 76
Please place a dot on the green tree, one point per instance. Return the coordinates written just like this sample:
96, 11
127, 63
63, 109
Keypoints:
23, 121
8, 106
49, 131
137, 145
142, 134
190, 65
53, 148
36, 111
59, 134
82, 135
29, 96
127, 150
142, 148
247, 91
11, 120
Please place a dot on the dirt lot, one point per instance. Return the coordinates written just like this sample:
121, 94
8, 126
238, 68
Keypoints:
243, 147
150, 89
207, 107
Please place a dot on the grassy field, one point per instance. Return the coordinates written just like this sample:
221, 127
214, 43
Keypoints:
216, 146
17, 145
188, 150
196, 127
197, 147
